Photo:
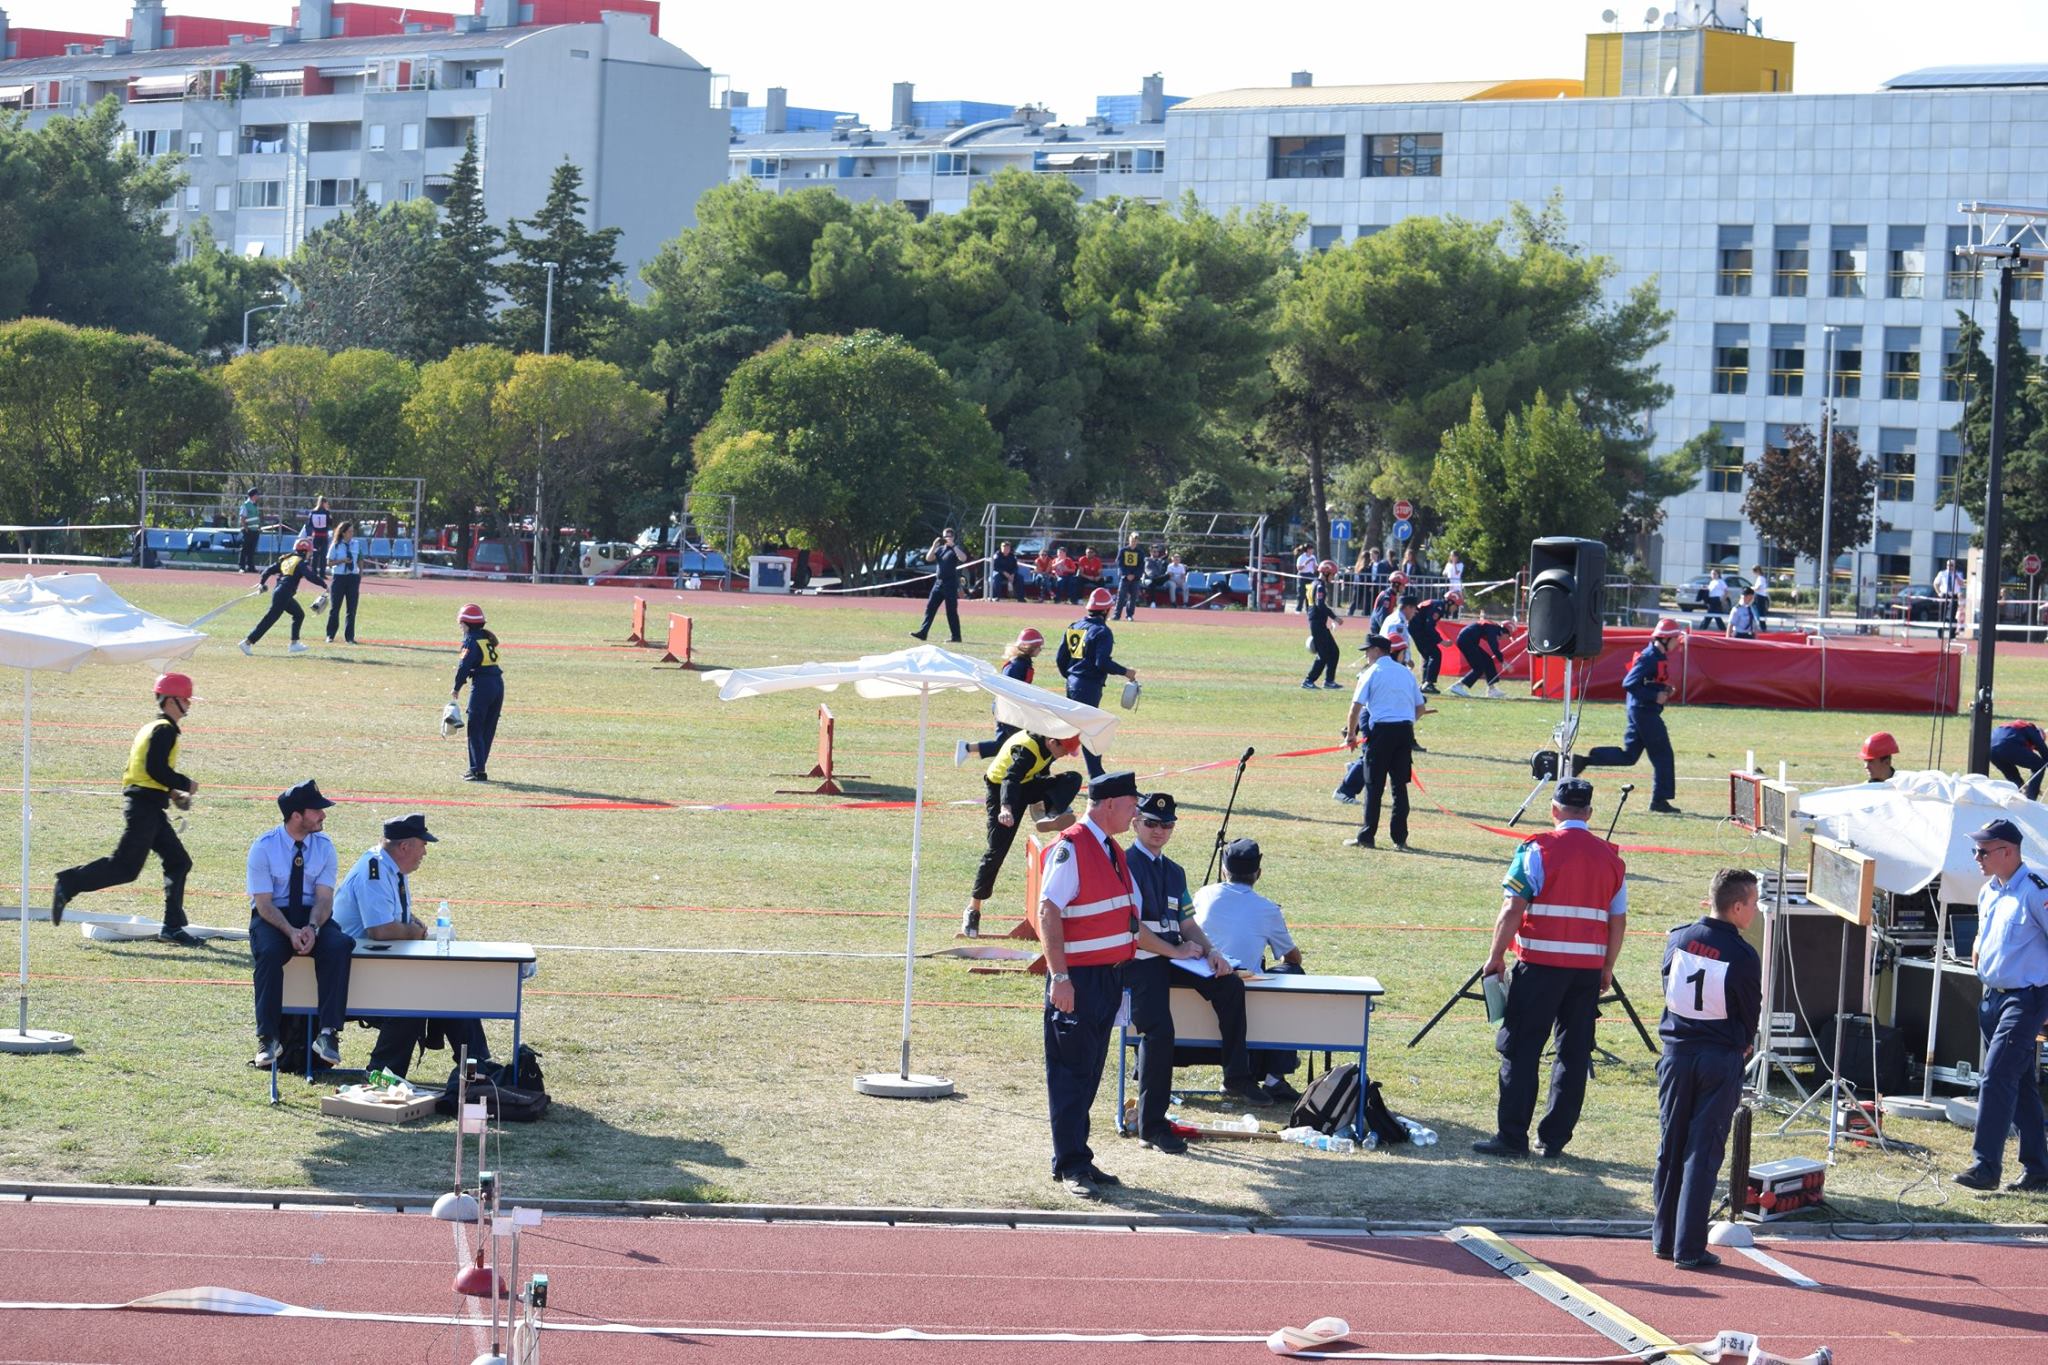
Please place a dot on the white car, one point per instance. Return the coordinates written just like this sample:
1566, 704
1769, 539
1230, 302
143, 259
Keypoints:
595, 557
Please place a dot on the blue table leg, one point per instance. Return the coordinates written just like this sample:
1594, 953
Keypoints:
1364, 1075
518, 1013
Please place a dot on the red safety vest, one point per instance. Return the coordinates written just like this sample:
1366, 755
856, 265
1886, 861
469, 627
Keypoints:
1097, 923
1566, 925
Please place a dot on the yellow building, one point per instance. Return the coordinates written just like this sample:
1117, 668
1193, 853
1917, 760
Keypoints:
1686, 61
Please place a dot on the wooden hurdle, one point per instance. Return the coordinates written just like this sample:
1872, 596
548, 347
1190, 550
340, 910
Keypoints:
677, 650
823, 767
638, 634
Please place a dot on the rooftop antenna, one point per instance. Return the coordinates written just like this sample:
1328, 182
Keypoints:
1608, 16
1651, 16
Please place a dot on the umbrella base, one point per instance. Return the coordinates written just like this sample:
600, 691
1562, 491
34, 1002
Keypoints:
35, 1040
888, 1085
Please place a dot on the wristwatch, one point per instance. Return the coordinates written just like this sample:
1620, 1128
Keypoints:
1058, 976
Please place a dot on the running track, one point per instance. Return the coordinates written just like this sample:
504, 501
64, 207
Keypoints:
1877, 1302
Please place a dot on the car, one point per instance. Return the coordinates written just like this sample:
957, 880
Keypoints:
664, 567
594, 557
1916, 602
1693, 591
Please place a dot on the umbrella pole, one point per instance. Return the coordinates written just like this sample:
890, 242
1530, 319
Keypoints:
27, 704
924, 717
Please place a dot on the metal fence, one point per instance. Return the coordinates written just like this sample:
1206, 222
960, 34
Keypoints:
191, 517
1229, 546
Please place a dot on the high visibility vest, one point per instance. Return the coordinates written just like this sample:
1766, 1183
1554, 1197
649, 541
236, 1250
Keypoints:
1098, 921
1566, 924
1041, 758
137, 774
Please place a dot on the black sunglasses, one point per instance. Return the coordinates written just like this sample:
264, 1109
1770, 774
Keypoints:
1149, 823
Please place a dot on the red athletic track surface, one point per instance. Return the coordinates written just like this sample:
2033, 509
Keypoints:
1878, 1302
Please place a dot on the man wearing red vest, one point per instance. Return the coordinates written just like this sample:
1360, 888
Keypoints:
1565, 912
1087, 924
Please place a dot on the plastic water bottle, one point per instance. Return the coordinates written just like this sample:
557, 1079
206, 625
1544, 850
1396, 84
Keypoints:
1372, 1141
1418, 1134
444, 930
1321, 1142
1246, 1124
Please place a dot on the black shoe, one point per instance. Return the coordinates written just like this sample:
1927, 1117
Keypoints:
1430, 688
327, 1047
1167, 1141
1401, 845
1976, 1178
917, 635
1660, 1253
1665, 808
1077, 1185
1248, 1090
1098, 1176
1549, 1151
2032, 1180
1417, 748
1706, 1260
59, 898
1495, 1146
179, 937
1280, 1092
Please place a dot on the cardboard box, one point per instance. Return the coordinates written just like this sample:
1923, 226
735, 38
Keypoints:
361, 1106
1779, 1189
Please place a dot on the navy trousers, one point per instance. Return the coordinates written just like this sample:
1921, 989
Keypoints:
1127, 589
1325, 646
486, 700
1697, 1091
1645, 735
1076, 1047
270, 950
1542, 1002
1150, 980
1389, 759
398, 1041
987, 747
145, 828
950, 598
2011, 1094
281, 604
1430, 646
1088, 693
2011, 757
344, 591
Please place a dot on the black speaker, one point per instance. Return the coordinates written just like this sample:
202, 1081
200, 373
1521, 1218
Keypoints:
1565, 577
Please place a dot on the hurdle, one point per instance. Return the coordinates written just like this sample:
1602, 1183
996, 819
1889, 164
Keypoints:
638, 634
823, 767
677, 650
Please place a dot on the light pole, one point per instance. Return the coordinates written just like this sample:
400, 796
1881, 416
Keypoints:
547, 318
263, 308
540, 470
1827, 466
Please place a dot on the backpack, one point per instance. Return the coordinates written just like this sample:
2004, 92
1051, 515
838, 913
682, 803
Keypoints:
1332, 1102
493, 1088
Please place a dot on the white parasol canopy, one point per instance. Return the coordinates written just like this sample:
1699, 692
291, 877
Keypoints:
919, 673
61, 623
1917, 826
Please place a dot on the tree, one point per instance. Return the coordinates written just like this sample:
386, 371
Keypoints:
360, 409
463, 434
1782, 493
83, 409
1538, 475
571, 421
222, 287
837, 435
82, 228
276, 393
458, 288
586, 311
2023, 513
363, 281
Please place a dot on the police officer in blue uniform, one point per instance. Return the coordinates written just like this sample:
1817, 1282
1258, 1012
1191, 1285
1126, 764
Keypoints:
1167, 930
1384, 708
1713, 992
1085, 660
1322, 623
481, 669
2016, 745
945, 558
373, 905
1647, 692
290, 882
2012, 962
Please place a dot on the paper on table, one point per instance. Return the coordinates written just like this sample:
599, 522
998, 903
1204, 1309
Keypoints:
1196, 966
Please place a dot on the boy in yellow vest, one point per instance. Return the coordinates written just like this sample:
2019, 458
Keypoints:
149, 787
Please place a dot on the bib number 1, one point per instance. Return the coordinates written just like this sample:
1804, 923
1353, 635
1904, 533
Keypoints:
1696, 987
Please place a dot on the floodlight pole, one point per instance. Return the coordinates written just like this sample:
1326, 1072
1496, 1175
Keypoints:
1826, 568
1989, 575
27, 711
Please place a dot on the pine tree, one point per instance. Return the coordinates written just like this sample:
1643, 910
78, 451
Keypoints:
586, 307
468, 245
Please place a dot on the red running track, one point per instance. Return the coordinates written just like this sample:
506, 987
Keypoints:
1877, 1303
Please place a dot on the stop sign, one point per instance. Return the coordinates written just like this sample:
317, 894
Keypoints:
1403, 510
2031, 565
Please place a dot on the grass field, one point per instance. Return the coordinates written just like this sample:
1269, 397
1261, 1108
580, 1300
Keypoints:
700, 1076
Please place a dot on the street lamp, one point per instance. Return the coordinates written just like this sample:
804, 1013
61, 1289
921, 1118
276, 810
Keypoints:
263, 308
1827, 466
547, 319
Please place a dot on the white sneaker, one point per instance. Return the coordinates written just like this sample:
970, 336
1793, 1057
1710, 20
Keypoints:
959, 753
266, 1053
248, 649
298, 647
327, 1048
1495, 693
1460, 690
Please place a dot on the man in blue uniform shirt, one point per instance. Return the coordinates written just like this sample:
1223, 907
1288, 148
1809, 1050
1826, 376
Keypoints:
373, 904
1385, 707
1322, 622
945, 558
291, 900
1713, 992
1085, 661
1647, 691
2012, 962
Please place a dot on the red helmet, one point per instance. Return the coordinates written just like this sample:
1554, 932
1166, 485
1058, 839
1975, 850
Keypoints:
1880, 745
470, 615
1029, 636
1100, 600
1067, 744
1398, 577
1667, 627
302, 545
179, 686
1327, 566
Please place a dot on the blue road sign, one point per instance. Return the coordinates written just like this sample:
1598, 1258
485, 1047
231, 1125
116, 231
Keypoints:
1403, 529
1340, 530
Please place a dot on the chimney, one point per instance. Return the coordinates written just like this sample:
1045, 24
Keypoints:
499, 13
280, 36
900, 97
776, 120
1301, 79
1152, 100
115, 47
738, 99
316, 19
146, 25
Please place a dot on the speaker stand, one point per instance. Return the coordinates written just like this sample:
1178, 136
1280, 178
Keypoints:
1757, 1074
1562, 736
1838, 1092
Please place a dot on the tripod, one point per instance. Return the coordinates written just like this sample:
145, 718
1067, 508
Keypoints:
1553, 765
1838, 1092
1223, 830
1757, 1074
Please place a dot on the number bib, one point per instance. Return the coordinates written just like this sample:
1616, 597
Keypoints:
1696, 987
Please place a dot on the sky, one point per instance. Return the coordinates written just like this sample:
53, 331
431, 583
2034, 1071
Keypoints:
840, 56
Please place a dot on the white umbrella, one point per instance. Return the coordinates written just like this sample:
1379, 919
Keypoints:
59, 623
919, 673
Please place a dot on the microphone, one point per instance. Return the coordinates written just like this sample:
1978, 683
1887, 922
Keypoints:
1247, 754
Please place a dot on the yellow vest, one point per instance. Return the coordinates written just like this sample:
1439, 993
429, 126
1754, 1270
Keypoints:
138, 757
1040, 758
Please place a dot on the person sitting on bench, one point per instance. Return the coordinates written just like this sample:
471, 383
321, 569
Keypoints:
1242, 924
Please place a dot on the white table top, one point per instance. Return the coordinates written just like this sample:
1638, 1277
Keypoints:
461, 950
1288, 983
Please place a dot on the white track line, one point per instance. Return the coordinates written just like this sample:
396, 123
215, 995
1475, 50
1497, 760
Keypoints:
1778, 1267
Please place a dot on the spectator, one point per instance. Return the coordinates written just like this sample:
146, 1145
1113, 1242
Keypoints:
1003, 571
250, 515
1948, 594
1158, 575
1091, 572
319, 523
1454, 579
1041, 569
1066, 582
1304, 573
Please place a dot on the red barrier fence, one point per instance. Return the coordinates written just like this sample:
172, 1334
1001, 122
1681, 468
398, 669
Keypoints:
827, 732
638, 635
678, 648
1794, 672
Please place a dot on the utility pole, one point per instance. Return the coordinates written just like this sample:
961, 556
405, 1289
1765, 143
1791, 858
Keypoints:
540, 454
1827, 470
2007, 235
547, 317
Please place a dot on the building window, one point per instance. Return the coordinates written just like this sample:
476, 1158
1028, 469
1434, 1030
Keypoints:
1848, 362
1965, 273
195, 144
1731, 358
1948, 460
764, 167
224, 142
1788, 273
1322, 238
1901, 363
1305, 158
1895, 461
408, 190
1788, 361
327, 194
260, 194
263, 140
408, 137
223, 198
374, 139
1724, 544
2026, 282
1907, 275
192, 199
152, 142
1894, 557
1724, 470
952, 163
1737, 263
373, 190
1774, 557
1849, 263
1401, 154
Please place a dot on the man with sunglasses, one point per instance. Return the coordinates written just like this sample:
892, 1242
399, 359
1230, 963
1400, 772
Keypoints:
2012, 961
1166, 931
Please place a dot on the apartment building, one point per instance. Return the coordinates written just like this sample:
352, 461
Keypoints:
280, 132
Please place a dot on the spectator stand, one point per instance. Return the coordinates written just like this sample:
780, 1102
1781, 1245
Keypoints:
1223, 551
190, 516
90, 546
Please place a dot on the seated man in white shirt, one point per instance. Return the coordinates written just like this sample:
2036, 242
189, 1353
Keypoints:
1242, 925
372, 905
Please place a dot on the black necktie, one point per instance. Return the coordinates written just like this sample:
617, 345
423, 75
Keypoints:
404, 906
295, 890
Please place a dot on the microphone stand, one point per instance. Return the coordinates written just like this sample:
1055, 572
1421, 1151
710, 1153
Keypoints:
1223, 830
1626, 788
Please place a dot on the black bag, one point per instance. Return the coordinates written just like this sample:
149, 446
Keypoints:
493, 1088
1384, 1122
1331, 1103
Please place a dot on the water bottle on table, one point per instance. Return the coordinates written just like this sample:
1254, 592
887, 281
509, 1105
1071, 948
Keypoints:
444, 930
